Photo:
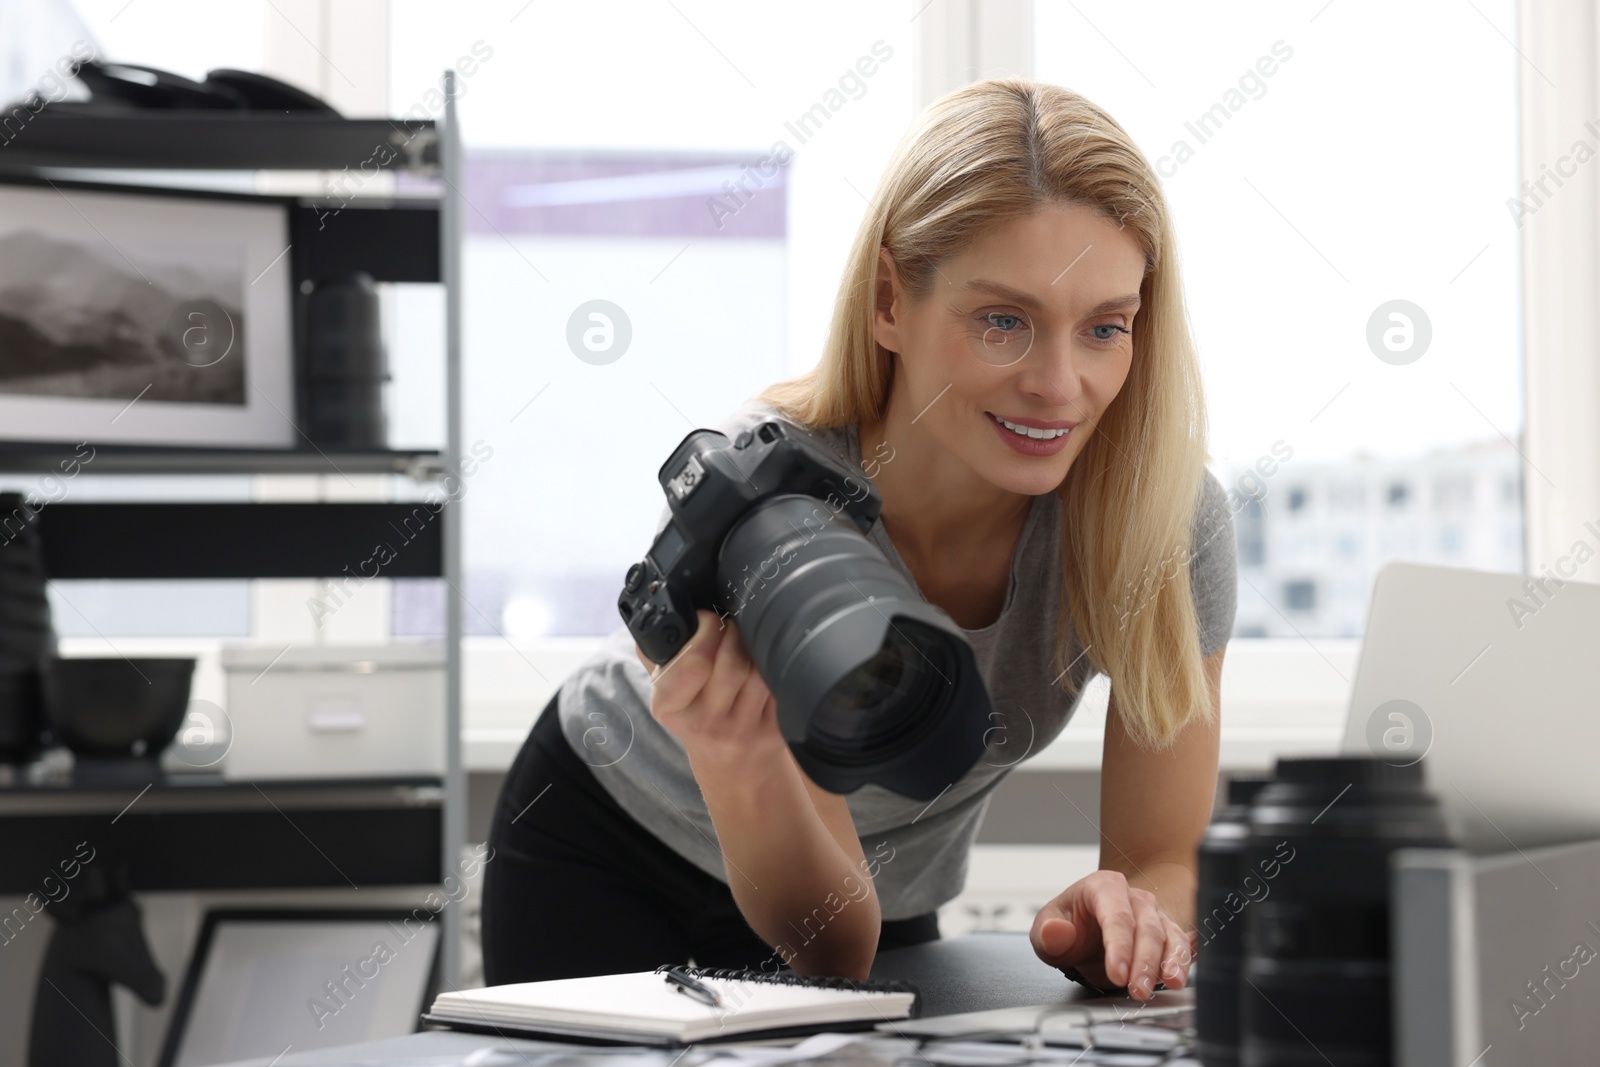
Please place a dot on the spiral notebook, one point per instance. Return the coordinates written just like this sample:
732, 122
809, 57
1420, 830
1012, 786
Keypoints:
644, 1007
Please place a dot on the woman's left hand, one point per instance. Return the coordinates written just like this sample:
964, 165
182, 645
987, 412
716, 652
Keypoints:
1115, 935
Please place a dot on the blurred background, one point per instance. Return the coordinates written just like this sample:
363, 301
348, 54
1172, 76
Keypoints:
600, 166
1348, 180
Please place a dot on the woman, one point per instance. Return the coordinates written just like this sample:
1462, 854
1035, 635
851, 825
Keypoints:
1009, 364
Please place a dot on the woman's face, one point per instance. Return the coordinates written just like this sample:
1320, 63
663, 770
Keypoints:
1032, 324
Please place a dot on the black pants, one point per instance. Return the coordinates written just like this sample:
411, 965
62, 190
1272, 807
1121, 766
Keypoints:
575, 886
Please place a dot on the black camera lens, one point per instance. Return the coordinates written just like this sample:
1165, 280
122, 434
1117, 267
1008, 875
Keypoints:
1226, 888
1315, 978
873, 683
884, 706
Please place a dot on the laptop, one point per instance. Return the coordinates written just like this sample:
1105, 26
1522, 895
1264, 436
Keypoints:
1493, 681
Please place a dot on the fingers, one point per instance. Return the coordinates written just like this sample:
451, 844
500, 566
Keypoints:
712, 678
1149, 949
676, 683
753, 697
1179, 954
711, 697
1108, 901
1055, 937
1103, 920
729, 672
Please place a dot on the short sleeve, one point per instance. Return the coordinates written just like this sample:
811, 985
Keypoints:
1214, 566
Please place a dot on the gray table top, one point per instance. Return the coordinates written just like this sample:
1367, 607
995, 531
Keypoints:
972, 973
977, 972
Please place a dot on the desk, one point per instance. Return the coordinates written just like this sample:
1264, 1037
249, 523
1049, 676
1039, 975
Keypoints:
972, 973
1472, 934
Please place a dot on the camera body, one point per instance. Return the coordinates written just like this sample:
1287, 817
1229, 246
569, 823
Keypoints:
711, 484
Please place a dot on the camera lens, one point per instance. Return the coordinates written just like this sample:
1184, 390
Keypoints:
1315, 972
873, 683
885, 705
1226, 888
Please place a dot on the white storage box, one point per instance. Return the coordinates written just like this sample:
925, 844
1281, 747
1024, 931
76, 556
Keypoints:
335, 711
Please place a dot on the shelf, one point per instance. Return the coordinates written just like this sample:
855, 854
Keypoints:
415, 242
356, 539
32, 457
191, 836
196, 791
75, 134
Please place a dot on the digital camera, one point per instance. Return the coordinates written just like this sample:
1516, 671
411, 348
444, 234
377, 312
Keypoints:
873, 683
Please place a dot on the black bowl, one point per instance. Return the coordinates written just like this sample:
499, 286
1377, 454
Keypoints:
106, 707
21, 711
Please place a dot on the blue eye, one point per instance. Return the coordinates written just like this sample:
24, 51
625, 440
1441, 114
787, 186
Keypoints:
1001, 320
1113, 339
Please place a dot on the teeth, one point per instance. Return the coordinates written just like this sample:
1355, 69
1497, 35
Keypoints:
1029, 431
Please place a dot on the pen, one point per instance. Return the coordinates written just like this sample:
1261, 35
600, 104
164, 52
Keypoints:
698, 990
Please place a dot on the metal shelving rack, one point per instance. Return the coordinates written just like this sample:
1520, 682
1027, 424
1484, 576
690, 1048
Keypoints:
89, 136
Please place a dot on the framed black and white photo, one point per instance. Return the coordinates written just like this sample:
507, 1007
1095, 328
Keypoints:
144, 317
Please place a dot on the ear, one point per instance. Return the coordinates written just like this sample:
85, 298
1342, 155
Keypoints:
887, 302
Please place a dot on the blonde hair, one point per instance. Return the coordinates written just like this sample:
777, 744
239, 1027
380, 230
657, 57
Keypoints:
997, 150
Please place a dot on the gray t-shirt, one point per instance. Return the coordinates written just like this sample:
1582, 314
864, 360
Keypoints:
918, 849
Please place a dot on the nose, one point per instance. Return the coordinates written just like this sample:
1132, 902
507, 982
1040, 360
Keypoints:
1054, 373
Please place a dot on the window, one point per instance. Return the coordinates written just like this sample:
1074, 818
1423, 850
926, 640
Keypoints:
1310, 284
1347, 497
1248, 527
1452, 493
639, 171
1300, 595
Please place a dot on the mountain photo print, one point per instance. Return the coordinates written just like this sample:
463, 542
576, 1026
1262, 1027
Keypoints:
88, 319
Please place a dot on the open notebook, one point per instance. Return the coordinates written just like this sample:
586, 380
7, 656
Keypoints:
645, 1008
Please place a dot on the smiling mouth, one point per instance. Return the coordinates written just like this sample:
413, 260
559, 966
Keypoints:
1032, 432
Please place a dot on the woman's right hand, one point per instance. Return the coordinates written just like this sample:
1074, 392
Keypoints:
787, 845
711, 697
